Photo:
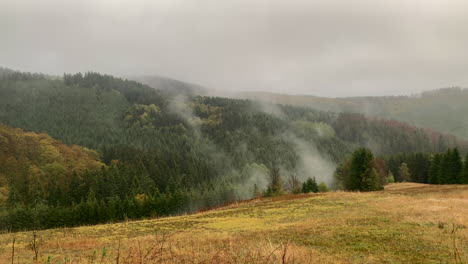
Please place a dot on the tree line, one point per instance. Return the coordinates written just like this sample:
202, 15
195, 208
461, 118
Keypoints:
440, 168
364, 172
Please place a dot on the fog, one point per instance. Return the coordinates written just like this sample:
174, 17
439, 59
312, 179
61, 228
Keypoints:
323, 47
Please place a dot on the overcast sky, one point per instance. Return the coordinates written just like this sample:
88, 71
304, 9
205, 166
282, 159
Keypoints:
319, 47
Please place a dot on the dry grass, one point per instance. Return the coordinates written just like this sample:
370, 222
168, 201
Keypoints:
406, 223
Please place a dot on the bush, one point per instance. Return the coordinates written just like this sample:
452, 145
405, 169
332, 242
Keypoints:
322, 187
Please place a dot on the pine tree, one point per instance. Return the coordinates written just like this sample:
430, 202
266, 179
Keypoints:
404, 172
75, 188
456, 167
92, 207
372, 182
434, 172
310, 185
362, 176
465, 171
444, 174
14, 197
342, 175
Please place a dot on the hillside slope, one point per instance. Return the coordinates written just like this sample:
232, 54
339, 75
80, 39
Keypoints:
36, 161
336, 227
172, 154
170, 86
442, 110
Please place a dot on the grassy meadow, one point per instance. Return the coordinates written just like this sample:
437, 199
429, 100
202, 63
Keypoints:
405, 223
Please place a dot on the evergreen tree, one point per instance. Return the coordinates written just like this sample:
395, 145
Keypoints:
310, 185
75, 188
404, 173
363, 176
465, 171
456, 167
342, 173
14, 197
435, 170
445, 167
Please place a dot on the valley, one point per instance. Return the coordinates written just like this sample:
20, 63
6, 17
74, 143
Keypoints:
233, 132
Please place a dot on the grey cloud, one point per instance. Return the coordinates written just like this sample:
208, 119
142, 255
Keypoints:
323, 47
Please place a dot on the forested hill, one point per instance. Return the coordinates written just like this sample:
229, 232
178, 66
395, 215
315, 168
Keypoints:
116, 117
40, 161
170, 86
442, 110
98, 111
180, 153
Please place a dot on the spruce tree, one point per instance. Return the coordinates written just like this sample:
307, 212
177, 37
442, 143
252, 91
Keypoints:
75, 188
456, 167
465, 171
310, 185
404, 172
444, 172
434, 172
363, 176
14, 197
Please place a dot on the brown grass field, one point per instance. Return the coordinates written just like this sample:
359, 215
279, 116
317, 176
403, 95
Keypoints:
405, 223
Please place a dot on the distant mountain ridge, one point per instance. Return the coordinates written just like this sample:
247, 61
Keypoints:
442, 109
171, 86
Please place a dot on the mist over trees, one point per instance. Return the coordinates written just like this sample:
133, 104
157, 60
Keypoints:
163, 154
427, 109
